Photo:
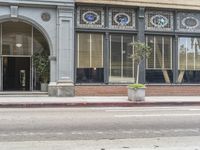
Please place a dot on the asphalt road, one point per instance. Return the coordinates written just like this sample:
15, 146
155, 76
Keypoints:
59, 124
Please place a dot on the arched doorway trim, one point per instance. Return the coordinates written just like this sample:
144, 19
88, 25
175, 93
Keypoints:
32, 22
24, 72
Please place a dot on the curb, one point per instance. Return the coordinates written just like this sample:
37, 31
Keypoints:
97, 104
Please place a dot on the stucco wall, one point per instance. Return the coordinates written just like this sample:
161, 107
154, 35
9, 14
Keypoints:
180, 4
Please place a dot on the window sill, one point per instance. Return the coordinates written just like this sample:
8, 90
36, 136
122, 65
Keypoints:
80, 84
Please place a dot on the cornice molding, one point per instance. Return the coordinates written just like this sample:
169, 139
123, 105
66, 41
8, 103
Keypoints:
38, 2
177, 4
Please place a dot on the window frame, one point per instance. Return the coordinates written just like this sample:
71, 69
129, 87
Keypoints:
163, 49
110, 49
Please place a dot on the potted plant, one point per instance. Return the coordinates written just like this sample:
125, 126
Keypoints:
41, 64
136, 91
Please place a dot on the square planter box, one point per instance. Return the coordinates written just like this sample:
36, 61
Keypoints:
44, 87
136, 94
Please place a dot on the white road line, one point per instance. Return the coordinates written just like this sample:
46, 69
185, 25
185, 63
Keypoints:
194, 109
79, 133
128, 132
156, 115
134, 131
132, 110
178, 107
31, 134
144, 110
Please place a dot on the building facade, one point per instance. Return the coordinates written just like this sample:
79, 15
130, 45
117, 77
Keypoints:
37, 27
87, 43
104, 30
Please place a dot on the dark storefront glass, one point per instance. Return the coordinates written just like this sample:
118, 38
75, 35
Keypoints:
90, 75
159, 64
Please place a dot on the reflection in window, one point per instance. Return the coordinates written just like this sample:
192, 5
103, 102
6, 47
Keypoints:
16, 38
40, 47
90, 58
159, 64
188, 60
121, 63
89, 75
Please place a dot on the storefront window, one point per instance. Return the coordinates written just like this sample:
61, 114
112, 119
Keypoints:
41, 49
16, 38
188, 60
90, 58
121, 63
159, 64
25, 57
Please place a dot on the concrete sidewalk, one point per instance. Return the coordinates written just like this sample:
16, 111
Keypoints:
45, 101
160, 143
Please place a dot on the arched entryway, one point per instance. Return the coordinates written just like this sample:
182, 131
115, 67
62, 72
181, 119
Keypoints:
24, 52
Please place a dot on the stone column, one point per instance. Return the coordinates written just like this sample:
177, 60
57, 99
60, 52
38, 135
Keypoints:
65, 55
141, 38
52, 88
175, 60
1, 77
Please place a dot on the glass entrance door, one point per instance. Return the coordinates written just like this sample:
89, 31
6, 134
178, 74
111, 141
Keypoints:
122, 67
20, 43
16, 73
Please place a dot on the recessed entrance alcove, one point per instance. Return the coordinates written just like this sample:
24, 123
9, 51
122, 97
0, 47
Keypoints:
20, 42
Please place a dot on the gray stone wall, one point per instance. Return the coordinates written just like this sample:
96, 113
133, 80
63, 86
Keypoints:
59, 32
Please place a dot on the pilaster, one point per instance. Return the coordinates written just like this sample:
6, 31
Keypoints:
65, 81
141, 38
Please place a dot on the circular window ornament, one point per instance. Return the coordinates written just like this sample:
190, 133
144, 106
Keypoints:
46, 16
122, 19
90, 17
159, 21
190, 22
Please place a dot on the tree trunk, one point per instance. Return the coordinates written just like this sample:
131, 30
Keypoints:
138, 72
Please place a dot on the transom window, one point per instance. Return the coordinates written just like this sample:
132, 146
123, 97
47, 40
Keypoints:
159, 21
16, 40
122, 18
88, 17
188, 22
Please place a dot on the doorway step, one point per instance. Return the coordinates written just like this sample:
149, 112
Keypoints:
23, 93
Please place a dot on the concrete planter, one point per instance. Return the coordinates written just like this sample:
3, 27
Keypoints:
136, 94
44, 87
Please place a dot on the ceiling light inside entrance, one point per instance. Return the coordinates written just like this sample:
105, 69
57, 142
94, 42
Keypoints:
19, 45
